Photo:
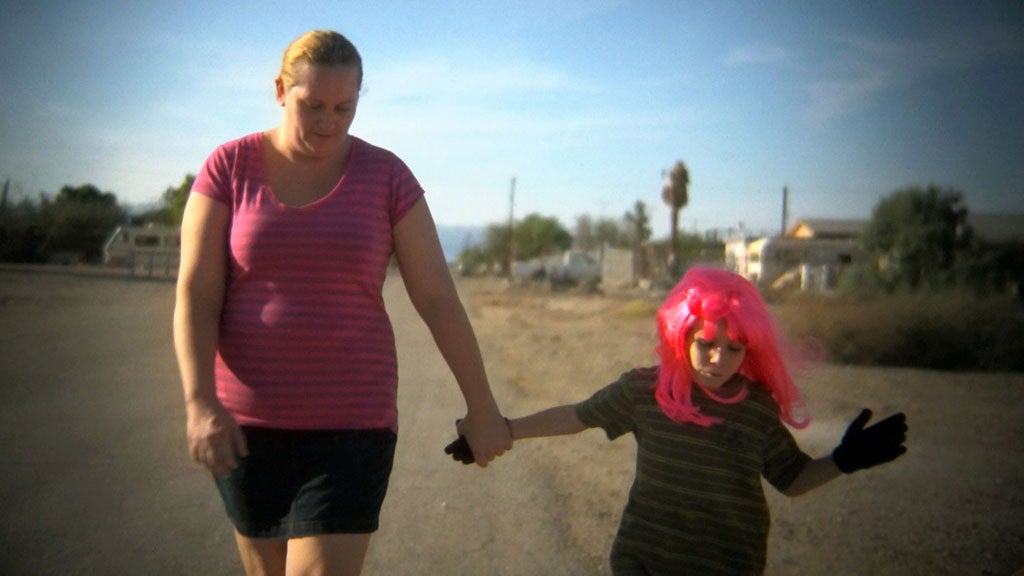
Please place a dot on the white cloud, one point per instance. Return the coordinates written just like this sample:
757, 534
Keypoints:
874, 66
834, 98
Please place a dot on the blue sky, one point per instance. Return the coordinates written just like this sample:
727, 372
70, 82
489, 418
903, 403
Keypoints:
584, 103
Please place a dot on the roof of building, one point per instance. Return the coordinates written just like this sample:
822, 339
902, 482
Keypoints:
825, 228
994, 227
997, 227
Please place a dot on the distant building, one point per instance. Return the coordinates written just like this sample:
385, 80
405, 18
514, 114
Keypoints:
997, 229
1001, 238
151, 248
813, 252
826, 229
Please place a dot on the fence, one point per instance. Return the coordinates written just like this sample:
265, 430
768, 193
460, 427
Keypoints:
148, 250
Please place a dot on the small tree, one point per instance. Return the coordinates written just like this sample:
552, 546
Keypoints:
586, 235
473, 260
78, 220
637, 224
538, 235
916, 235
497, 239
535, 235
172, 207
675, 193
607, 231
175, 198
21, 235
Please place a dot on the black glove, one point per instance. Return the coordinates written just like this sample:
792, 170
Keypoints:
460, 451
459, 448
877, 444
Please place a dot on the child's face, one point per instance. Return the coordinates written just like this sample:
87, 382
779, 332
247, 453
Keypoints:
714, 360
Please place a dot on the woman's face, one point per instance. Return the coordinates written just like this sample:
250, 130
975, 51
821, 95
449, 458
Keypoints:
714, 360
319, 108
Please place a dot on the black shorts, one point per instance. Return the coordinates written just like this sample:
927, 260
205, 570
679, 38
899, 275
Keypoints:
298, 483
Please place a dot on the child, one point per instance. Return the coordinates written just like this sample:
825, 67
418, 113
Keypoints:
709, 422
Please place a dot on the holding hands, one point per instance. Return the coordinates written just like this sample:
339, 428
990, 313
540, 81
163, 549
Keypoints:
556, 421
480, 441
460, 451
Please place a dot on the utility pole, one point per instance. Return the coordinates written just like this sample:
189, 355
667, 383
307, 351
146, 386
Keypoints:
511, 226
785, 210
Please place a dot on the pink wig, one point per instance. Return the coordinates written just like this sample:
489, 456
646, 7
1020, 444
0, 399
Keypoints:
712, 295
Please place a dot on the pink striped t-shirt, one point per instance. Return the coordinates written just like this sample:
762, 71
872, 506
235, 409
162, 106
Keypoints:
305, 342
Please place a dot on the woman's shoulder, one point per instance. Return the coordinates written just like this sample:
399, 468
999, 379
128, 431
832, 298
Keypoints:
366, 152
242, 146
246, 141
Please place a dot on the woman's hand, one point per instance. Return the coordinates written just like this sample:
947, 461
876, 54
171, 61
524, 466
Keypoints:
488, 435
215, 439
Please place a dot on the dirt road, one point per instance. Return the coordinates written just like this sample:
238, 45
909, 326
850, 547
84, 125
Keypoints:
96, 480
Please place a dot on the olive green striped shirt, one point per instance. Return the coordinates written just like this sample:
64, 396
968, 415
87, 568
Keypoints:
697, 505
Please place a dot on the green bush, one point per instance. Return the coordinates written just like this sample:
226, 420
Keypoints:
943, 331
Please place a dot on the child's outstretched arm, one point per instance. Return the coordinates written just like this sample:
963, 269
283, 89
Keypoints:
860, 448
551, 422
816, 473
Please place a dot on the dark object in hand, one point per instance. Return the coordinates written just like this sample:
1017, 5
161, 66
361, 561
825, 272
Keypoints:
877, 444
460, 451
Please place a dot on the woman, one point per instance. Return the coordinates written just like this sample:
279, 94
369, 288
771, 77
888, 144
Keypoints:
286, 353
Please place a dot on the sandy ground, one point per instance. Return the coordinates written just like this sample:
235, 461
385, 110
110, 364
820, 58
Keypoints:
96, 481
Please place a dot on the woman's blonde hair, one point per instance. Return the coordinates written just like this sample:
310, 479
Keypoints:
319, 48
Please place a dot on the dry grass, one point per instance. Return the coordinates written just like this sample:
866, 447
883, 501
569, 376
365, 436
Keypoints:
950, 331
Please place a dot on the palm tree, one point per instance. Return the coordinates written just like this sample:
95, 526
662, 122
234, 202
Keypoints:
675, 193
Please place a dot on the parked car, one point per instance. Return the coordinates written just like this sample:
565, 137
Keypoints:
524, 271
574, 268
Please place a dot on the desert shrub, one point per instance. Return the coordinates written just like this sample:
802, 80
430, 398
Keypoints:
942, 331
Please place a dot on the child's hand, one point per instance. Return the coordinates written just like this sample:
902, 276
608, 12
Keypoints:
866, 447
460, 451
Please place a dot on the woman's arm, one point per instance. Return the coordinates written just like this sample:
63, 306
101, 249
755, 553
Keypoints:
215, 440
433, 294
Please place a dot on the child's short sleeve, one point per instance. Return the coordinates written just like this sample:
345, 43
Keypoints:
613, 408
783, 458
